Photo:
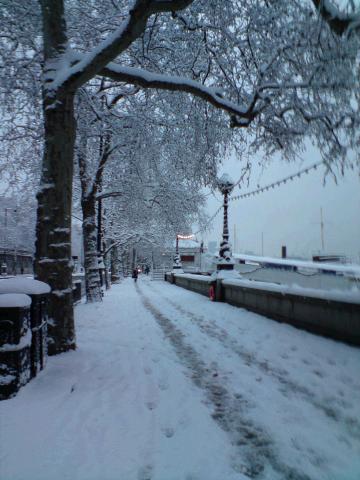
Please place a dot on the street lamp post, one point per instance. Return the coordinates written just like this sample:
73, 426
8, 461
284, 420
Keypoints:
177, 260
225, 262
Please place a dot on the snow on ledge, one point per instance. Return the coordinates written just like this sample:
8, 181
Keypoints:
191, 276
7, 379
352, 296
12, 300
350, 269
23, 285
25, 341
226, 275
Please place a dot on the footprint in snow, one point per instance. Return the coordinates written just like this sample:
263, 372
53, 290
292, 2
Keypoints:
168, 432
191, 476
145, 473
151, 405
163, 385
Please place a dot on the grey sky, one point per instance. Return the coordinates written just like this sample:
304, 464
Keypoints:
290, 214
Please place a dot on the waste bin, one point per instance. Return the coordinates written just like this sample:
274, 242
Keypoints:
15, 343
38, 292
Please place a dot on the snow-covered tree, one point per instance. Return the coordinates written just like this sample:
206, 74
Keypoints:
268, 65
121, 155
341, 21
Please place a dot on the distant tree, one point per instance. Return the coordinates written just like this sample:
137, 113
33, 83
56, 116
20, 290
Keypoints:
121, 155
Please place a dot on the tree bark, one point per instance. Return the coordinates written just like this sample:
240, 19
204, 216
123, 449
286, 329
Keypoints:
92, 279
88, 207
114, 263
53, 262
107, 276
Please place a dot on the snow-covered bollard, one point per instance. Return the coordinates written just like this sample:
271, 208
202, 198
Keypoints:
38, 292
177, 266
15, 343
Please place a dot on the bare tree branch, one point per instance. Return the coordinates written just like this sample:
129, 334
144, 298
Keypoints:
101, 196
119, 41
145, 79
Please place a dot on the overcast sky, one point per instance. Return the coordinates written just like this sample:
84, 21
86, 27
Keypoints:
290, 214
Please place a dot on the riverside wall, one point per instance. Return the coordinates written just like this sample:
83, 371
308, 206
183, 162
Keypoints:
336, 319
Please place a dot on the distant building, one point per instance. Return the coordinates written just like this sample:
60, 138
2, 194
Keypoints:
16, 262
17, 236
190, 252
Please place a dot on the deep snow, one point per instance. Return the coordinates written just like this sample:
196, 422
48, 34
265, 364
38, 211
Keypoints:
166, 385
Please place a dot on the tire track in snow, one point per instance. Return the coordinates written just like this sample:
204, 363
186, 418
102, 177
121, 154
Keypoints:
255, 446
215, 332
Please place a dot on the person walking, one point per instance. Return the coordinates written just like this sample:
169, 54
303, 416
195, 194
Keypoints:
135, 274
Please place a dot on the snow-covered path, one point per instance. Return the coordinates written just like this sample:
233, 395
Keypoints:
166, 385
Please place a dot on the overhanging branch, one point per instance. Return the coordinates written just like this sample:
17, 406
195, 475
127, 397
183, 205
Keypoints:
77, 73
145, 79
101, 196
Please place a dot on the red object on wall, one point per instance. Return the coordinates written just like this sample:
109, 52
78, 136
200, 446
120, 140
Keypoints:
187, 258
212, 293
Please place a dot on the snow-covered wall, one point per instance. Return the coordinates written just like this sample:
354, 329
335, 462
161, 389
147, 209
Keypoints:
332, 314
293, 272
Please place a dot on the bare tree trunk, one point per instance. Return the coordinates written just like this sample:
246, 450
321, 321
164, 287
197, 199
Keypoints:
107, 276
114, 263
88, 206
133, 258
92, 278
53, 262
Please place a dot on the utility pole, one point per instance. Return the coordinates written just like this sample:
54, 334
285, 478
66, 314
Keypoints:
322, 230
235, 239
16, 239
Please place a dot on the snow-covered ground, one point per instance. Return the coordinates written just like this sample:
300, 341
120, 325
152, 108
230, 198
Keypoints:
166, 385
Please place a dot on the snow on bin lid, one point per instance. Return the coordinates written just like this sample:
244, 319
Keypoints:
23, 285
11, 300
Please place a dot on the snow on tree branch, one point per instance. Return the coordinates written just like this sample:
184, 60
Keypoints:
147, 79
338, 21
76, 74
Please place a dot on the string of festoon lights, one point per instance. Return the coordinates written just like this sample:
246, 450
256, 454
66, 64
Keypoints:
185, 237
203, 228
278, 183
